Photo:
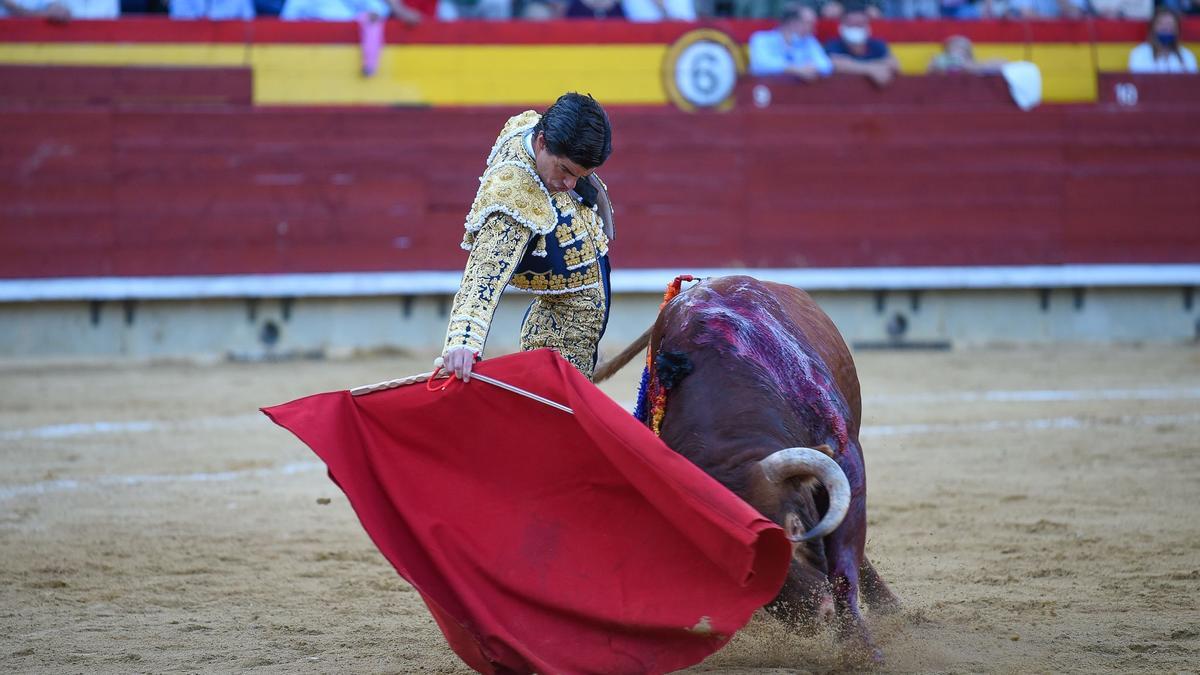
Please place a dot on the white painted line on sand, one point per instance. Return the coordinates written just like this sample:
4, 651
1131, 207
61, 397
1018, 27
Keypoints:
63, 485
69, 430
131, 427
1051, 423
1054, 423
1040, 395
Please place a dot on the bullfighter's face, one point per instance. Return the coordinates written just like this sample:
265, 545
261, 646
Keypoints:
558, 173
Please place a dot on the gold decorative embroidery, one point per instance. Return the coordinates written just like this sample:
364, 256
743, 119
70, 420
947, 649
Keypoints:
549, 282
499, 247
513, 188
570, 324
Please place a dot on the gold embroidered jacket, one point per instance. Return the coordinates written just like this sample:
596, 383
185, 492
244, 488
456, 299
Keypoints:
521, 234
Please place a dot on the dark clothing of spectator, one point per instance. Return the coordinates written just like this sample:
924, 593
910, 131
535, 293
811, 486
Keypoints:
268, 7
876, 49
577, 9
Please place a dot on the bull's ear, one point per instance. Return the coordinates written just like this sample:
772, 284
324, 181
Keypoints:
825, 450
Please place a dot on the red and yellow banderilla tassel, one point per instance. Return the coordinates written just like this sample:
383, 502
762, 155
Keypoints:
656, 394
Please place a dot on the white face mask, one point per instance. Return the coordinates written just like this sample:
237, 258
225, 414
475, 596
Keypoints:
855, 35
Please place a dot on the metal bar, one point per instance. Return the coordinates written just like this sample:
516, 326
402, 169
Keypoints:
414, 379
517, 390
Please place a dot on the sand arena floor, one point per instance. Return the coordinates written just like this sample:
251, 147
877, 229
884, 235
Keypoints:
1035, 510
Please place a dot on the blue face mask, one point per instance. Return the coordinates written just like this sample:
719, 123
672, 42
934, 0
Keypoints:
1166, 39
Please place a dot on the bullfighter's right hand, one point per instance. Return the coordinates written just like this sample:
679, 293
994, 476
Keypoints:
459, 361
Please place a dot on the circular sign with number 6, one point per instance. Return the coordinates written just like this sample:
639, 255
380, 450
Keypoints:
701, 68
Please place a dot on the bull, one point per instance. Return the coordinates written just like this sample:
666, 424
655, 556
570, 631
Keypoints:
761, 393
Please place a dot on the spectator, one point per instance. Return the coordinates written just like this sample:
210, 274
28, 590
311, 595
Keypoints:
836, 9
855, 52
61, 10
369, 14
143, 7
1161, 52
791, 48
1043, 9
958, 9
659, 10
493, 10
1182, 6
351, 10
595, 9
958, 56
914, 9
538, 11
1132, 10
215, 10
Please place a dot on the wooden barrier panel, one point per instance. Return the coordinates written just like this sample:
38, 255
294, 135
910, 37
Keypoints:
126, 85
953, 90
170, 191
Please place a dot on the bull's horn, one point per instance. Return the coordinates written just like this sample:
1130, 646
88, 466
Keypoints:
794, 462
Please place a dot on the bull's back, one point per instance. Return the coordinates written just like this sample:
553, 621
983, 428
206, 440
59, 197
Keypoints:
826, 340
795, 307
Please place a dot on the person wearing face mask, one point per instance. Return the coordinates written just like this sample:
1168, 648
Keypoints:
1161, 52
541, 221
855, 52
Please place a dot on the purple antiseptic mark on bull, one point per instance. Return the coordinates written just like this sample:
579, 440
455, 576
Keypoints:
751, 325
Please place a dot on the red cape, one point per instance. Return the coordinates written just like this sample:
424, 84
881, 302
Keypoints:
544, 541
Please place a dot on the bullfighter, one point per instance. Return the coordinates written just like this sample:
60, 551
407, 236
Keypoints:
541, 221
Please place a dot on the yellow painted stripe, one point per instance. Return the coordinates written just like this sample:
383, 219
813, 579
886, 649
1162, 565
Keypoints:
511, 74
1114, 57
458, 74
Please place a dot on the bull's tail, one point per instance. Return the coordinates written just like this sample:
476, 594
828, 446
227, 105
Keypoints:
609, 367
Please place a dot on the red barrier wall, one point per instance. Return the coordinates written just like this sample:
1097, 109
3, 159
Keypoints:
162, 191
127, 85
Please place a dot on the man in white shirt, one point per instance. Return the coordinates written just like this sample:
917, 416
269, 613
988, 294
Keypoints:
790, 49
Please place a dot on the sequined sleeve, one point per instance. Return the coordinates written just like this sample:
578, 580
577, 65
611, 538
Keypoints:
498, 247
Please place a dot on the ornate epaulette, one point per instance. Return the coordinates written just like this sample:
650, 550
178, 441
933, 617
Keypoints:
516, 126
511, 188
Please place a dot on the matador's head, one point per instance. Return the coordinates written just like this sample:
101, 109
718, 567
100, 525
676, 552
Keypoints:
570, 141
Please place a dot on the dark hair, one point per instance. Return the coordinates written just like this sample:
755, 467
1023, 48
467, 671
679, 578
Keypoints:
790, 12
1159, 48
576, 127
855, 7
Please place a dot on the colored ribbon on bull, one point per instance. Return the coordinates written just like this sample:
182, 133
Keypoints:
652, 398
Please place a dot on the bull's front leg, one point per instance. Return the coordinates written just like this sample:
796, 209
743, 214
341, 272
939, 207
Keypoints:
845, 550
